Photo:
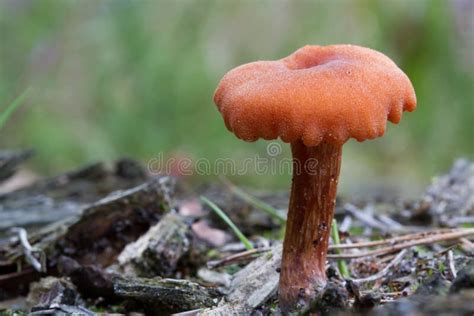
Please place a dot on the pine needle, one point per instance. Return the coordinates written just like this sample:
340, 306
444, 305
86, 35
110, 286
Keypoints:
19, 100
228, 221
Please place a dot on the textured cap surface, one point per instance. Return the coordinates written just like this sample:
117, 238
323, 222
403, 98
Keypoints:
318, 93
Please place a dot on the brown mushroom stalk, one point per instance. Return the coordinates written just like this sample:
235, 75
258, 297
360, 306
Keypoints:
315, 99
310, 213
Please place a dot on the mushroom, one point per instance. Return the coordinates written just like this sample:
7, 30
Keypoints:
315, 99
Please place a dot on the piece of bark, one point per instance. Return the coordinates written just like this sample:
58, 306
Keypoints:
51, 291
16, 283
155, 294
64, 196
10, 160
86, 184
168, 295
214, 277
252, 286
159, 251
90, 280
103, 229
62, 309
108, 225
55, 296
36, 211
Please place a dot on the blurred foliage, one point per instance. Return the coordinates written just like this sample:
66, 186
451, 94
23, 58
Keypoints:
136, 78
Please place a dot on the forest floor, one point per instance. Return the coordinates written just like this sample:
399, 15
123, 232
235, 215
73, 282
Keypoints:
113, 239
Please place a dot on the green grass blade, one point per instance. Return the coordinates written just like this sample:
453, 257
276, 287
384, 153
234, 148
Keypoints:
341, 264
257, 203
5, 114
229, 222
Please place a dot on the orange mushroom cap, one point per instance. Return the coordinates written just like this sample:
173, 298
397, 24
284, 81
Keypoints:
318, 93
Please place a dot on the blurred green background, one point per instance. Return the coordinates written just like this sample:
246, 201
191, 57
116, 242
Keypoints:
136, 78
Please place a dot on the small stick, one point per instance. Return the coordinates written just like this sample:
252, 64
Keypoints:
193, 312
391, 223
384, 301
27, 249
392, 240
364, 217
384, 271
452, 267
459, 220
346, 224
386, 258
238, 257
467, 245
423, 241
394, 294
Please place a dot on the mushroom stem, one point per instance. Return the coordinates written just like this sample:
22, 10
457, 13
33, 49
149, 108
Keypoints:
311, 209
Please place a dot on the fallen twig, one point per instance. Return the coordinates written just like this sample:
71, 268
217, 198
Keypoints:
392, 240
238, 257
451, 265
384, 271
467, 245
364, 217
385, 223
27, 249
396, 294
422, 241
391, 222
346, 224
